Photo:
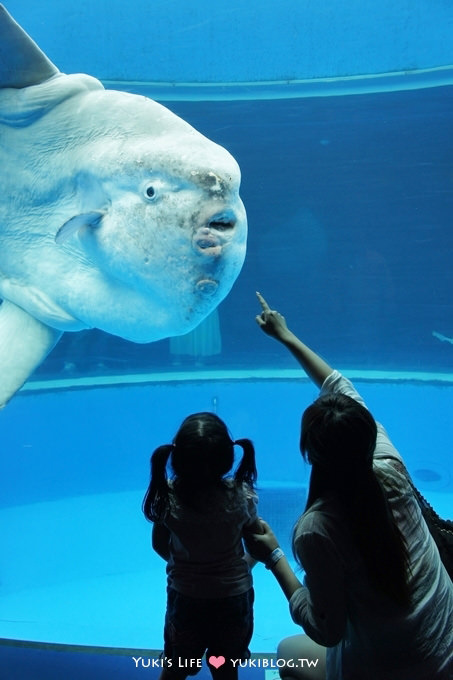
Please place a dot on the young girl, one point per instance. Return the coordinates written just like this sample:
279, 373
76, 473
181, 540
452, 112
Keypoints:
200, 516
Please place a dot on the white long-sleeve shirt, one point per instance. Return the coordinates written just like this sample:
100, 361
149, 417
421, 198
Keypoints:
367, 636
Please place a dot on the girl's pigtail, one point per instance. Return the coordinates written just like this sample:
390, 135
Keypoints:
246, 470
155, 501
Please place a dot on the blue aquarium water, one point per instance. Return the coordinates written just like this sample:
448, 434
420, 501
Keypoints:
341, 121
77, 566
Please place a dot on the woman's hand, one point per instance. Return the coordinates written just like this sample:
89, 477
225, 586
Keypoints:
274, 324
261, 545
270, 321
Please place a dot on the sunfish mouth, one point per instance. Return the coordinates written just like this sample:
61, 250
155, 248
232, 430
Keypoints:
208, 244
210, 238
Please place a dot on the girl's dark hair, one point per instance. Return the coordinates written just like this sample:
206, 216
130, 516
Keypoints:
201, 454
338, 438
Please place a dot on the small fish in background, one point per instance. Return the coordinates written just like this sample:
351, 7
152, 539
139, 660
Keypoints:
442, 338
114, 212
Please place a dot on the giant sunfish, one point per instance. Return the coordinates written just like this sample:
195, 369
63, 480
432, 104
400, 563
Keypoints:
114, 212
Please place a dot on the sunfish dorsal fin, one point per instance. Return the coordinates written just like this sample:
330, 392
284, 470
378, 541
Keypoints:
22, 63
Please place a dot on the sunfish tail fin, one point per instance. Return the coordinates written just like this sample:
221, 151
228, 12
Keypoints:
24, 344
22, 62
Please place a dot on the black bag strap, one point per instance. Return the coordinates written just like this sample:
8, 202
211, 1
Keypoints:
440, 529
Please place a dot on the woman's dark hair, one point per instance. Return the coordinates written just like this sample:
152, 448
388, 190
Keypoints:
338, 438
201, 454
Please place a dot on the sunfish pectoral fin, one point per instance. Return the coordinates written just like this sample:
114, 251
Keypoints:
24, 344
89, 219
22, 63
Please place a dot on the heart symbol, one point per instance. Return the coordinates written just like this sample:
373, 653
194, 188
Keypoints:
216, 661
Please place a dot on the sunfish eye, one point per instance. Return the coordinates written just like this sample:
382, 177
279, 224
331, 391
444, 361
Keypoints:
150, 192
